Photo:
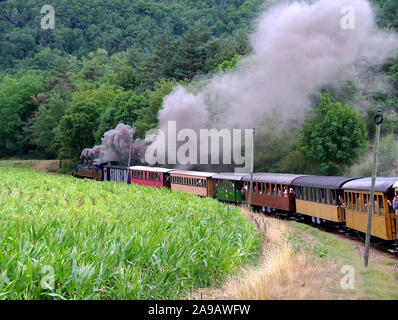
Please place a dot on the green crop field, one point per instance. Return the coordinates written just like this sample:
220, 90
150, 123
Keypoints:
65, 238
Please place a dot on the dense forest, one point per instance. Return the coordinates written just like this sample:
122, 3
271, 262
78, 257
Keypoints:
108, 62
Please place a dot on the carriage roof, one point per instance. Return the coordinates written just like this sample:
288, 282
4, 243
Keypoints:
193, 173
330, 182
279, 178
151, 169
230, 176
383, 184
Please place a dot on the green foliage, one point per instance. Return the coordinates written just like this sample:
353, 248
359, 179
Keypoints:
388, 158
116, 61
190, 57
333, 137
228, 64
124, 108
16, 106
85, 26
387, 13
321, 252
78, 126
114, 241
388, 155
147, 117
44, 123
272, 146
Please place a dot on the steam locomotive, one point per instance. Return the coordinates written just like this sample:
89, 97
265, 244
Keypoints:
341, 200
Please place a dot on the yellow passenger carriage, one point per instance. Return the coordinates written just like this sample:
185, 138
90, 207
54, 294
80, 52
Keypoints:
357, 196
321, 197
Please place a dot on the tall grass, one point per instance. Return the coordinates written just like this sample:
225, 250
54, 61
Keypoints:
113, 241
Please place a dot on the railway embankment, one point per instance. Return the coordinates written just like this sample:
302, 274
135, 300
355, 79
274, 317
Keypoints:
302, 262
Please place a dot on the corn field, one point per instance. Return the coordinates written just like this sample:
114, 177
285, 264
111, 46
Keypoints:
65, 238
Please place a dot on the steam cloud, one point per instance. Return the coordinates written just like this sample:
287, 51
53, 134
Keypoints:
116, 146
297, 49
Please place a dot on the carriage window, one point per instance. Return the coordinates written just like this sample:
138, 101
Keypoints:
360, 202
353, 201
381, 206
333, 196
327, 194
349, 202
366, 204
376, 206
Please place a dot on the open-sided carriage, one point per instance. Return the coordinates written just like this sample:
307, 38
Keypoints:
88, 169
116, 173
229, 187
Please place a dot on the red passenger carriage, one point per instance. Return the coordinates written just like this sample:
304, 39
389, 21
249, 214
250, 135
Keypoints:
150, 176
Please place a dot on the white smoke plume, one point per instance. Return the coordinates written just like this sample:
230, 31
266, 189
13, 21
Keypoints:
115, 146
298, 48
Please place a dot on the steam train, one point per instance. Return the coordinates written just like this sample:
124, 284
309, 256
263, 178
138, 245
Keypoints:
341, 200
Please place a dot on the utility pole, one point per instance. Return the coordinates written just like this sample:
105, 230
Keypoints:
378, 119
131, 144
251, 171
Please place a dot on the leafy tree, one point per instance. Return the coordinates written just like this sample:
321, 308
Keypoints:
333, 137
147, 117
124, 108
78, 126
75, 130
272, 145
388, 156
16, 106
387, 15
44, 123
228, 64
191, 52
